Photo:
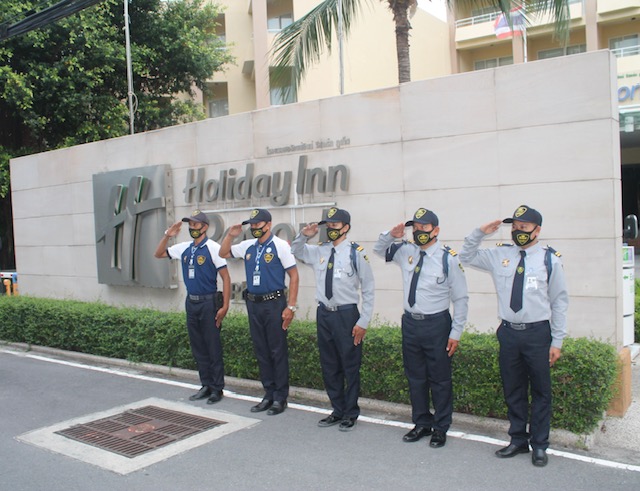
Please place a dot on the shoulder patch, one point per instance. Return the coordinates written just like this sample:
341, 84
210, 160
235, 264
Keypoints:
502, 244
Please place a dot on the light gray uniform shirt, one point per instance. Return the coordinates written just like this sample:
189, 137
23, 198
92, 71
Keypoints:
346, 280
435, 292
543, 299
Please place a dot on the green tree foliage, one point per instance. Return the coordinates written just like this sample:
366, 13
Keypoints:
66, 83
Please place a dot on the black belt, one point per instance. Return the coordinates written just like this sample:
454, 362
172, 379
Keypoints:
337, 307
201, 298
266, 297
421, 317
523, 326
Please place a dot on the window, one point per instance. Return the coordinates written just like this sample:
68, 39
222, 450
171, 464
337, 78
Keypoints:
493, 62
555, 52
282, 91
218, 107
279, 22
625, 45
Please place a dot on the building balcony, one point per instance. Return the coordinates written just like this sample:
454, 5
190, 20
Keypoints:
479, 30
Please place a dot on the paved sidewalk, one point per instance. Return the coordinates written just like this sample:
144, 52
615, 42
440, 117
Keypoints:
45, 390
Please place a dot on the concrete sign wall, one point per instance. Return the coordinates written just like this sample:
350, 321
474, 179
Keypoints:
472, 147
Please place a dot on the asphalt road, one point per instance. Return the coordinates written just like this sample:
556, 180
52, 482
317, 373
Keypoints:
284, 452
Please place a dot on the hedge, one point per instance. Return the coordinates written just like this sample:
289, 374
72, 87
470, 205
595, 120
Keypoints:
582, 379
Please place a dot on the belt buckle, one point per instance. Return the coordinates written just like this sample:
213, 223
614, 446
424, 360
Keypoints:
331, 309
417, 317
518, 327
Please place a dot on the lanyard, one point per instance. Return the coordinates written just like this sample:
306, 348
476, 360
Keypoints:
259, 250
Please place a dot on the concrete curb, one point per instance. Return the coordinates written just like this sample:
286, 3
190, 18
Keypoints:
465, 423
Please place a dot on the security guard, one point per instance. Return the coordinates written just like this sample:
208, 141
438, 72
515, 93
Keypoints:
201, 265
267, 258
532, 306
433, 279
341, 269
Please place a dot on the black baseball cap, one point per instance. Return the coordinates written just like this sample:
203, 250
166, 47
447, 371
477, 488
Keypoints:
197, 216
424, 216
335, 215
258, 215
525, 214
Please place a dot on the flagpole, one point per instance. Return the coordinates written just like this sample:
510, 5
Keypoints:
524, 31
340, 56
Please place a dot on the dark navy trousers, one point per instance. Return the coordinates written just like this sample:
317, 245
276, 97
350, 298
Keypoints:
427, 367
524, 367
270, 346
340, 360
204, 338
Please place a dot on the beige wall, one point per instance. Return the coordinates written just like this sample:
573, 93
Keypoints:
370, 60
471, 146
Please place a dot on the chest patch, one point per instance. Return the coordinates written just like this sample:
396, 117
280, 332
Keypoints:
268, 257
201, 260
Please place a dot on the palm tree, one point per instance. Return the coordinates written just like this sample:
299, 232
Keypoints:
301, 44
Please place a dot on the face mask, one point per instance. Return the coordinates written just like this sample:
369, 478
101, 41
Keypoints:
521, 237
421, 237
257, 232
195, 232
334, 234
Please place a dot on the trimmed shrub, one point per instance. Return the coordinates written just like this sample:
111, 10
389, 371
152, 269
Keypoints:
582, 379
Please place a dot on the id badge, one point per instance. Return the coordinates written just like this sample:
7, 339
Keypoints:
256, 278
192, 272
337, 274
532, 283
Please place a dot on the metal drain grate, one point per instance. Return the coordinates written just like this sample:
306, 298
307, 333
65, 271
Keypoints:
139, 430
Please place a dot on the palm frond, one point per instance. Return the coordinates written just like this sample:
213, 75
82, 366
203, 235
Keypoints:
300, 44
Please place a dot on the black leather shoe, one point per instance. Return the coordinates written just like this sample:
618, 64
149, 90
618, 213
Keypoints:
539, 457
277, 408
263, 405
329, 421
347, 424
417, 433
203, 393
438, 439
511, 450
216, 396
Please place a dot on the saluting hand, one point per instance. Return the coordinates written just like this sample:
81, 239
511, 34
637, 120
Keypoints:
489, 228
174, 229
235, 230
310, 230
398, 231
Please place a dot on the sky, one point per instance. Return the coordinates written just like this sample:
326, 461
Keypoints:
437, 8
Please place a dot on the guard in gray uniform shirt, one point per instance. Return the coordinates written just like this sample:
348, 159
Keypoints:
532, 306
341, 269
433, 279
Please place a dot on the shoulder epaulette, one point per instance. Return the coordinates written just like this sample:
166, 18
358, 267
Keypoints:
553, 251
502, 244
450, 250
549, 251
357, 247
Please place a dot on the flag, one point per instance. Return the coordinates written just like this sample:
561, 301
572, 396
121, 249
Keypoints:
502, 28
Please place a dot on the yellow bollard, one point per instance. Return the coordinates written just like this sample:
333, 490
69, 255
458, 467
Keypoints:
7, 286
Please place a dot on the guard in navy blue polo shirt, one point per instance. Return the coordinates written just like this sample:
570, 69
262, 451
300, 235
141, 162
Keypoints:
267, 260
201, 265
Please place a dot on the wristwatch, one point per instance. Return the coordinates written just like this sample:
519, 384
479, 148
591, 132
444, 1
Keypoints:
292, 308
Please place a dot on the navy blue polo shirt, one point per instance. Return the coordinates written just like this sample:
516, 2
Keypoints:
206, 262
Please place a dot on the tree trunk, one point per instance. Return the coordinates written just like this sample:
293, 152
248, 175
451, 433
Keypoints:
400, 9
